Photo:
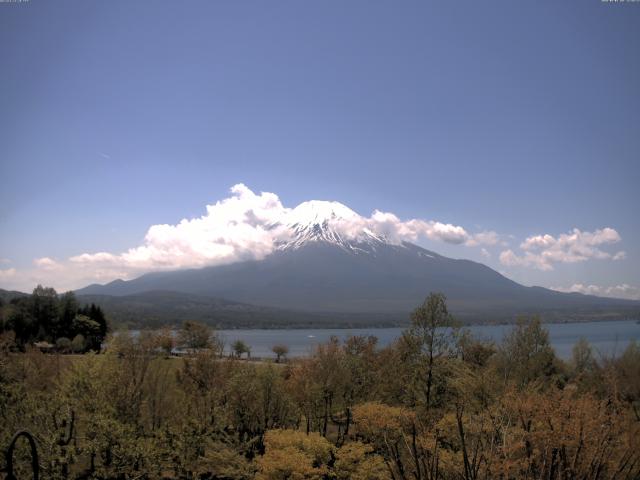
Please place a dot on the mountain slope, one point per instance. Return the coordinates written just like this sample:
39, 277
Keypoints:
8, 295
322, 267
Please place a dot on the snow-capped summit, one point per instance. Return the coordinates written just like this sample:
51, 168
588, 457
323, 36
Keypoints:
332, 223
320, 211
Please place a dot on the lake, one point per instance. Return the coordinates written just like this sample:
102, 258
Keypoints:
605, 337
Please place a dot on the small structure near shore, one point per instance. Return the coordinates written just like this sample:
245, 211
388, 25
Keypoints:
45, 347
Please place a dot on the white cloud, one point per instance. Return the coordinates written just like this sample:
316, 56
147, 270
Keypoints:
617, 291
620, 255
7, 273
509, 258
396, 230
485, 253
46, 263
488, 238
543, 251
241, 227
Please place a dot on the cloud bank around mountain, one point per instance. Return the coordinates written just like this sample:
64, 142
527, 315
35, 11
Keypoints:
249, 226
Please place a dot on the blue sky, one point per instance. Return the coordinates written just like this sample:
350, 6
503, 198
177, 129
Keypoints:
520, 118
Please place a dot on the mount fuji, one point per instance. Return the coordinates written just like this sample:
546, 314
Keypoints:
328, 262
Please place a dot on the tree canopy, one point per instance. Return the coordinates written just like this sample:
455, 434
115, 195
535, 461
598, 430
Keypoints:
46, 316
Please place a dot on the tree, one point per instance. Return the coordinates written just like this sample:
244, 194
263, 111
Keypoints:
44, 305
194, 336
22, 323
45, 316
166, 340
432, 334
627, 375
324, 377
90, 331
78, 344
99, 327
240, 348
395, 434
290, 454
63, 344
281, 351
526, 354
68, 309
95, 313
556, 434
356, 461
473, 351
582, 357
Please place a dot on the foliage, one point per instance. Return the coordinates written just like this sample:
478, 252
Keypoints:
194, 336
526, 354
46, 316
166, 341
350, 410
240, 348
280, 350
290, 454
429, 341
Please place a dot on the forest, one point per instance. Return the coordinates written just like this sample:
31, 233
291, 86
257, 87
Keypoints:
436, 404
57, 320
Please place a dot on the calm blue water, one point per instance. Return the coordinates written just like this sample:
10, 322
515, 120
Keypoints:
606, 338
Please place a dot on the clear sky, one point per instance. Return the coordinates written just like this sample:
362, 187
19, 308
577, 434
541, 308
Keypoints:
520, 119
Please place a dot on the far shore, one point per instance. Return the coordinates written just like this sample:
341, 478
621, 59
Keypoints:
383, 326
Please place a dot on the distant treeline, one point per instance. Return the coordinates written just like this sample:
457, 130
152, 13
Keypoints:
46, 316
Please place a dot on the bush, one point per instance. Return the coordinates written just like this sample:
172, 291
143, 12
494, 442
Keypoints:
78, 344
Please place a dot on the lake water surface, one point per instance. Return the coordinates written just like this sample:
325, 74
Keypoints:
605, 337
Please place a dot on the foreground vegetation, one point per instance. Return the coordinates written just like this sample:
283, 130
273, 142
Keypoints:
437, 404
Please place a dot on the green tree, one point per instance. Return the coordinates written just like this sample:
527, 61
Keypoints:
89, 329
195, 336
582, 359
290, 454
626, 370
44, 305
78, 344
166, 340
20, 320
280, 350
240, 348
356, 461
63, 344
68, 309
432, 335
526, 354
96, 313
473, 351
